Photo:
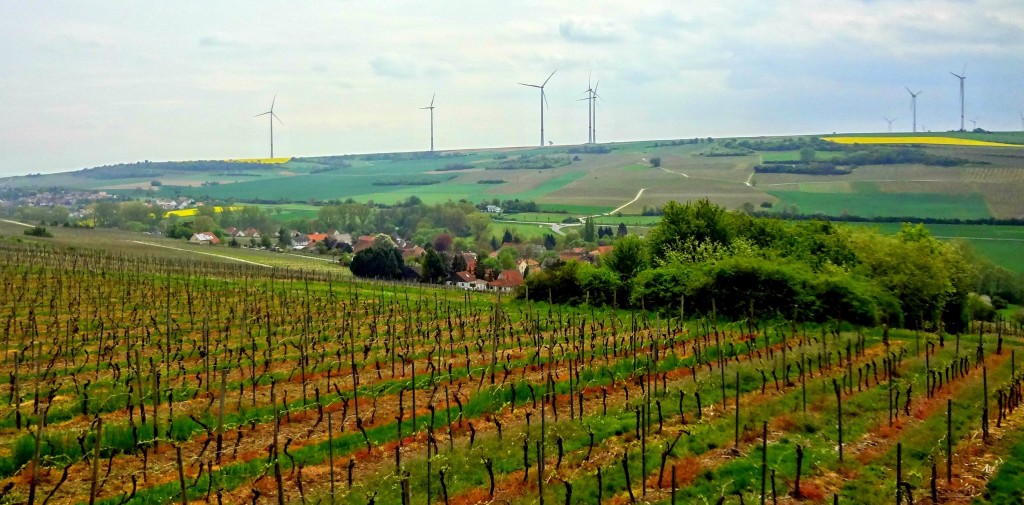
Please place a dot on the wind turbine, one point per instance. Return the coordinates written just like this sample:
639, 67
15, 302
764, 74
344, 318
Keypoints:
590, 112
543, 102
974, 123
890, 123
961, 77
913, 105
431, 108
591, 100
272, 117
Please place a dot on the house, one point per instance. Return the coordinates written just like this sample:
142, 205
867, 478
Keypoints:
527, 264
204, 238
463, 280
316, 237
364, 242
600, 252
576, 253
251, 233
415, 251
231, 231
494, 209
341, 238
470, 258
299, 242
507, 281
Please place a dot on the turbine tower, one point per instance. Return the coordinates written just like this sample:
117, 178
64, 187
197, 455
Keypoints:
591, 100
890, 123
431, 108
961, 77
913, 105
272, 117
590, 111
543, 102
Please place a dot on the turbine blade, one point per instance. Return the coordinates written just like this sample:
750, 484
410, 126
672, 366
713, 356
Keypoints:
530, 85
273, 101
596, 86
277, 118
264, 114
544, 96
549, 78
432, 99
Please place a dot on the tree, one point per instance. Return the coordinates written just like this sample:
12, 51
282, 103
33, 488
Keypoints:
478, 223
656, 161
622, 231
628, 258
378, 263
459, 263
589, 234
549, 241
507, 237
284, 239
688, 225
435, 268
443, 242
807, 154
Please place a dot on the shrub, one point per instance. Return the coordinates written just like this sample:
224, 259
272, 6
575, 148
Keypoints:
38, 231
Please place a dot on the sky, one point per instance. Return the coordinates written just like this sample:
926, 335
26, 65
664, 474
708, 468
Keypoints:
85, 84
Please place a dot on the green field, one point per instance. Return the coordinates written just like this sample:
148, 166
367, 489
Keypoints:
523, 231
596, 183
921, 205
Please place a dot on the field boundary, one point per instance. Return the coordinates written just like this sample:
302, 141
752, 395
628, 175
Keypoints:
201, 252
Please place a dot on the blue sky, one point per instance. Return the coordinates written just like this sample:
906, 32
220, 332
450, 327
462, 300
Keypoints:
92, 83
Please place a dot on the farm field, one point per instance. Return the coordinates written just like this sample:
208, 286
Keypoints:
993, 177
143, 246
159, 383
874, 204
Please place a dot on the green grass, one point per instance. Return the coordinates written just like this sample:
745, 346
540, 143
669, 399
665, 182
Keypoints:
581, 210
941, 206
551, 185
545, 217
1005, 486
524, 231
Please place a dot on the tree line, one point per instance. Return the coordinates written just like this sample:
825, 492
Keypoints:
704, 259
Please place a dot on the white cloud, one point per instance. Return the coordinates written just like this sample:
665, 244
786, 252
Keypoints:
589, 30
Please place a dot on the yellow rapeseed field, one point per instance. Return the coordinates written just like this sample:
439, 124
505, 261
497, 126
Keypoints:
192, 212
264, 161
942, 141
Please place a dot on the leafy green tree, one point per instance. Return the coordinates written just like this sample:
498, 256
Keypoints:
458, 263
435, 267
622, 231
628, 258
507, 258
807, 154
284, 238
685, 225
507, 237
588, 234
549, 241
378, 263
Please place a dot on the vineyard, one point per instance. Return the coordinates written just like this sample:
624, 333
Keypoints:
164, 381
